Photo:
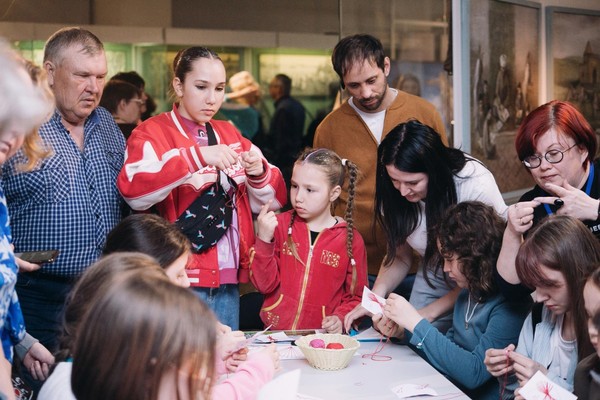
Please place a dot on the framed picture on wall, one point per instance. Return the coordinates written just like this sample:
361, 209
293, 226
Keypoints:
504, 83
428, 80
573, 39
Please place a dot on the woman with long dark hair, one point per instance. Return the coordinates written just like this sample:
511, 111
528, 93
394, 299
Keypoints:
418, 178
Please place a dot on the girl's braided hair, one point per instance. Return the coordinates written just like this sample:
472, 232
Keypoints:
335, 170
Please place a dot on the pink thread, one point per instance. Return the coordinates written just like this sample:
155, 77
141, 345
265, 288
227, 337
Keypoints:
505, 378
546, 388
375, 356
374, 298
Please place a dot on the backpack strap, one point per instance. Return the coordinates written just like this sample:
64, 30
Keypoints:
212, 138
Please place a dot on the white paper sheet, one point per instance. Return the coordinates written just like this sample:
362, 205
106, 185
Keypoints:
539, 387
372, 302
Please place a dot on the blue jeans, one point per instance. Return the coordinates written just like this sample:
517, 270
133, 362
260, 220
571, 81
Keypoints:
224, 301
42, 299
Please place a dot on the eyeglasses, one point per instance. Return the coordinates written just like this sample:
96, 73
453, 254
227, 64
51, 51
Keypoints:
552, 156
139, 101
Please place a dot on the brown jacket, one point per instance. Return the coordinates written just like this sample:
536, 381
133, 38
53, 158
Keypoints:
344, 132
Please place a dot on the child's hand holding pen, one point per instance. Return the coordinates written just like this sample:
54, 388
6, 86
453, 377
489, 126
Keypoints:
332, 324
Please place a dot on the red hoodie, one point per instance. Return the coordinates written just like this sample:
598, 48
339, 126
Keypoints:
299, 294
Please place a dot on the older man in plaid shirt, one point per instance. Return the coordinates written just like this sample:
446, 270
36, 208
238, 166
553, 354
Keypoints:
70, 201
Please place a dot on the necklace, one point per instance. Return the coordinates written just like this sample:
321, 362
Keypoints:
467, 316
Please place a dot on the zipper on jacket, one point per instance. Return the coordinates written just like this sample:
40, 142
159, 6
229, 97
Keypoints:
305, 280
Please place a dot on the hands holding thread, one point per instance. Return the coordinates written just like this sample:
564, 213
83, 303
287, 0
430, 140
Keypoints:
503, 361
252, 163
498, 362
525, 367
387, 327
219, 155
358, 312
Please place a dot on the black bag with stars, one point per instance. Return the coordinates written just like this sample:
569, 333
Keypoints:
209, 216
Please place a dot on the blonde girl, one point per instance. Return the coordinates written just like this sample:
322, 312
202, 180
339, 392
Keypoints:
309, 264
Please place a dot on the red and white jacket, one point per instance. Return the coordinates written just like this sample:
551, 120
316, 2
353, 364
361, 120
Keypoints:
298, 295
164, 168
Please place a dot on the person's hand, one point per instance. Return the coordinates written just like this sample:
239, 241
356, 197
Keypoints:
517, 395
332, 324
229, 342
576, 203
222, 328
38, 361
520, 216
26, 266
233, 360
399, 310
358, 312
497, 361
387, 327
220, 156
525, 367
266, 222
252, 163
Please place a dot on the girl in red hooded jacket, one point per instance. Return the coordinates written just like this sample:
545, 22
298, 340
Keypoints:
310, 264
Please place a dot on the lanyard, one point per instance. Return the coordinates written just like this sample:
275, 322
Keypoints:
588, 188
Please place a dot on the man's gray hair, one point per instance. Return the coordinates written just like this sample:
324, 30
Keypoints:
71, 36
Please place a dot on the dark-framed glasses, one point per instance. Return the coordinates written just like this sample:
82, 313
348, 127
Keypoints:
552, 156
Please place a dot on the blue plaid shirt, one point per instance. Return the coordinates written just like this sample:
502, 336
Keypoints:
70, 202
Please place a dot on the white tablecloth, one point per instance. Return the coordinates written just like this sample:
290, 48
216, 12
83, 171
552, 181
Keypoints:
368, 379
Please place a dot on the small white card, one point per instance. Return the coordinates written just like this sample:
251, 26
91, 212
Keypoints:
539, 387
410, 390
372, 302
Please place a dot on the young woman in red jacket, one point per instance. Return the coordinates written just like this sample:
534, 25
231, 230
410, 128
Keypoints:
205, 176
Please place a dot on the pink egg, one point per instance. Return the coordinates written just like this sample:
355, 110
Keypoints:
317, 343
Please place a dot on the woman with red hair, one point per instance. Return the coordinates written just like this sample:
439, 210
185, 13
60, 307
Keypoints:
558, 147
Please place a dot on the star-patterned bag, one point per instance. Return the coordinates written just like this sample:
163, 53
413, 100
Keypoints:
209, 216
207, 219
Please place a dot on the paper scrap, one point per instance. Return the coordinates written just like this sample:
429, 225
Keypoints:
372, 302
539, 387
273, 338
410, 390
245, 343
